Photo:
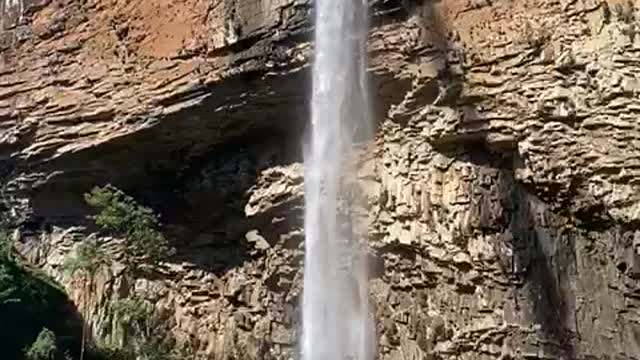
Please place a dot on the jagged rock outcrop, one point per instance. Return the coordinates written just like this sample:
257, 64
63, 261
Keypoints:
502, 184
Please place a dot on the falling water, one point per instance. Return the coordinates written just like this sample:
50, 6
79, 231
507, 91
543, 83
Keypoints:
336, 324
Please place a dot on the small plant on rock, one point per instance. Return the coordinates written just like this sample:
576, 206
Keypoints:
44, 347
119, 215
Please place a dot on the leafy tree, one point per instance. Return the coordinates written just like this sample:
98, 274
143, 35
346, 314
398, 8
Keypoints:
44, 348
119, 215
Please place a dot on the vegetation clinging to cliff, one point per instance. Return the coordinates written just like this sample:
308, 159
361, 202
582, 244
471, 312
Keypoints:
44, 348
120, 215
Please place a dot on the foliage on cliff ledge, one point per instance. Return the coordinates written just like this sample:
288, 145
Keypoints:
120, 215
44, 348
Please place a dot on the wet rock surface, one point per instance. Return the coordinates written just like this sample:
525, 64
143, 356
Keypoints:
501, 186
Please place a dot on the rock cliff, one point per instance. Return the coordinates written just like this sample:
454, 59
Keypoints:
503, 185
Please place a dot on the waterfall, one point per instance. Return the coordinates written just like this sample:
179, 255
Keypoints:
336, 320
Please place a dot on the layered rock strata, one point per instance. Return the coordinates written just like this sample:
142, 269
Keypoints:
502, 189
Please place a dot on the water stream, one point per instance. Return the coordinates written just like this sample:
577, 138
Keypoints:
336, 321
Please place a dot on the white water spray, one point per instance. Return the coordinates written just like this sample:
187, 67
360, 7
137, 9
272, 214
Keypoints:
336, 321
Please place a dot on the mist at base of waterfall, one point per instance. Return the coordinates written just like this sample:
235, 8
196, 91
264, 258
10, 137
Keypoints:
335, 310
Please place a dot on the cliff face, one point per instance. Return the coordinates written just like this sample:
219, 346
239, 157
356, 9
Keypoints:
503, 183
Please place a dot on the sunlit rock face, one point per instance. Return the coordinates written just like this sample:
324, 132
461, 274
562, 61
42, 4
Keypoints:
500, 189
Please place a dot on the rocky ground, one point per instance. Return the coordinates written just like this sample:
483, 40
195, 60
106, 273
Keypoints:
502, 196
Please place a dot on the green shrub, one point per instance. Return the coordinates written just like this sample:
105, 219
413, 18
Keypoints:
44, 348
88, 258
119, 215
